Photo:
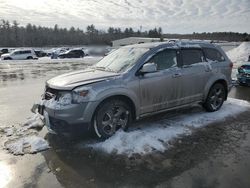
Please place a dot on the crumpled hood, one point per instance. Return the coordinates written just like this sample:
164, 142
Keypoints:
71, 80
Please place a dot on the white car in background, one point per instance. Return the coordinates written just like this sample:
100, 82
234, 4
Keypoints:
20, 54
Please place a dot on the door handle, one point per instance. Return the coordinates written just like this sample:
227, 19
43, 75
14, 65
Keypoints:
176, 75
208, 68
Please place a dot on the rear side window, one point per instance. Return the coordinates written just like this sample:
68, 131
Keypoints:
17, 53
25, 52
213, 54
165, 59
191, 56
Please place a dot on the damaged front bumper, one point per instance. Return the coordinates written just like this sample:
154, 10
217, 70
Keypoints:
39, 108
68, 118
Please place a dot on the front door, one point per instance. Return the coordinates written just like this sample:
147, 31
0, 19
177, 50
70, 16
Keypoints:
158, 89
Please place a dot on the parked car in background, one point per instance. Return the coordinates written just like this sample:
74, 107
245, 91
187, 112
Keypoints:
4, 51
54, 53
40, 53
134, 82
20, 54
243, 75
74, 53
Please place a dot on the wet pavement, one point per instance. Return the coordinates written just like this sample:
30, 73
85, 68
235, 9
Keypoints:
217, 155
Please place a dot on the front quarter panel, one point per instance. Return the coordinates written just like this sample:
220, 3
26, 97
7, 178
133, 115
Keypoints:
121, 86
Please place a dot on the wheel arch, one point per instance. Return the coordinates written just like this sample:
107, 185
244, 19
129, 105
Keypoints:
221, 81
119, 97
29, 57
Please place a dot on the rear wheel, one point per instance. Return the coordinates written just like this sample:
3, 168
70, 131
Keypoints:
112, 115
215, 98
29, 57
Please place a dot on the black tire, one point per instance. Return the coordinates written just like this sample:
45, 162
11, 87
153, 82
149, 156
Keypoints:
112, 115
215, 98
242, 84
29, 57
8, 58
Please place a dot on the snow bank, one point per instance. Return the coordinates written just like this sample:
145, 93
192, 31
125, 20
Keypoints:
36, 121
21, 139
9, 131
240, 53
156, 136
29, 144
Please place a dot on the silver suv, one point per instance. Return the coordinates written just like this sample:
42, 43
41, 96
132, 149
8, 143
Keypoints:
137, 81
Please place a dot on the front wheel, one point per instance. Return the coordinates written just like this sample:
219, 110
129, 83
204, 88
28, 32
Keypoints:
215, 98
112, 115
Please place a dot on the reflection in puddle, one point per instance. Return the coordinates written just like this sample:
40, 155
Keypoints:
12, 71
5, 174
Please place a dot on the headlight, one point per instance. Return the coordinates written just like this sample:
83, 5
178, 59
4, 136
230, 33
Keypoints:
64, 98
82, 94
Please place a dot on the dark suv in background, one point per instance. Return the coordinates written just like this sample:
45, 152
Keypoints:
75, 53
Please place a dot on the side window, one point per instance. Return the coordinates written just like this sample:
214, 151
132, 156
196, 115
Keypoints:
191, 56
165, 59
17, 53
22, 52
213, 54
27, 52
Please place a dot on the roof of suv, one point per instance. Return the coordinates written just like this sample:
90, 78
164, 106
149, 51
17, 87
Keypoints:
178, 43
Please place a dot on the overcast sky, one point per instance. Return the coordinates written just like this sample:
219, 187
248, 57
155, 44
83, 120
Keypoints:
174, 16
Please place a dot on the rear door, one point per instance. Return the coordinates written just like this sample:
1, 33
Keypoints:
218, 62
195, 72
158, 89
26, 54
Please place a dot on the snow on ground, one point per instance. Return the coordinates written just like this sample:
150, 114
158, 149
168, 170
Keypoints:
29, 144
240, 53
36, 121
156, 136
23, 139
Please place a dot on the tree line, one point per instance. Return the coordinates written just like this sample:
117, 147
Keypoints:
14, 35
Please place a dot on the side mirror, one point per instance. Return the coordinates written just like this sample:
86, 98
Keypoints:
148, 68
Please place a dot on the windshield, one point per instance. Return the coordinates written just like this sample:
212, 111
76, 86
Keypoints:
246, 67
120, 60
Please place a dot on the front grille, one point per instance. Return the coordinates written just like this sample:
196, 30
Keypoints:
50, 93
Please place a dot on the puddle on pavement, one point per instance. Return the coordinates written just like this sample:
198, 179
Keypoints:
76, 167
20, 70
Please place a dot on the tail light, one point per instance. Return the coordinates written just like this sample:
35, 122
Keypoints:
231, 65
